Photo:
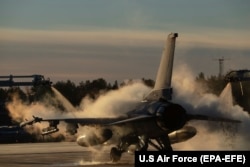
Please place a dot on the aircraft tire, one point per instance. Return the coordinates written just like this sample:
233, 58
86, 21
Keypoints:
115, 154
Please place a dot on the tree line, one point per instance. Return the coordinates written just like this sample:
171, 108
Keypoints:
72, 92
75, 93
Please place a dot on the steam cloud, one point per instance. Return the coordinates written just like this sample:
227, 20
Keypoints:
114, 103
210, 136
111, 104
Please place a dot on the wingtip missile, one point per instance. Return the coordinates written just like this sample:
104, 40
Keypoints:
30, 122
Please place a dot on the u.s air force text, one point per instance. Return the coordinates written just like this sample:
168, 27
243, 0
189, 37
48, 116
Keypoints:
166, 158
195, 158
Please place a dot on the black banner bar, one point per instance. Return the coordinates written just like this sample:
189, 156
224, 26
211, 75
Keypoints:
191, 158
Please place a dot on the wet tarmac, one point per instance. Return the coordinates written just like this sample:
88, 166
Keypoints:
58, 154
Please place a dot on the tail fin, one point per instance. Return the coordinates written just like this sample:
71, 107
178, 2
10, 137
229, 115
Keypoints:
162, 88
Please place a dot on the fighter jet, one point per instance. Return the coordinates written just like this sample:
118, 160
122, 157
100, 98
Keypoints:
238, 76
156, 121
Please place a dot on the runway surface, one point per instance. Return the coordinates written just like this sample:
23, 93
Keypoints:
58, 154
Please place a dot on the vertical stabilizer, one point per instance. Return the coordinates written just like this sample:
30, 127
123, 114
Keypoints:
162, 88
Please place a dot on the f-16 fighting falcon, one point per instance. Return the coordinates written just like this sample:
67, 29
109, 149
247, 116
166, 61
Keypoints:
156, 121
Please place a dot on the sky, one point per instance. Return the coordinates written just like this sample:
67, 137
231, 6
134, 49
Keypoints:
83, 40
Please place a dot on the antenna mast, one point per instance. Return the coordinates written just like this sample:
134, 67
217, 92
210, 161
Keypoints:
221, 66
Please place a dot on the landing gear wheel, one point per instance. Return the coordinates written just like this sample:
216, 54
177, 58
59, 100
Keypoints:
115, 154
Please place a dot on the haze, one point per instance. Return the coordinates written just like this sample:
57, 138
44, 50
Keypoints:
117, 40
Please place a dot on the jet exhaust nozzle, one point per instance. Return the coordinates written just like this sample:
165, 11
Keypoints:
171, 117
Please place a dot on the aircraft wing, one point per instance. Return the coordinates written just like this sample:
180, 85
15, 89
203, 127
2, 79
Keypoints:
119, 120
133, 119
210, 118
89, 121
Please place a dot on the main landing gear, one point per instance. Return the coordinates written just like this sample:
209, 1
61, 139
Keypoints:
123, 146
161, 143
